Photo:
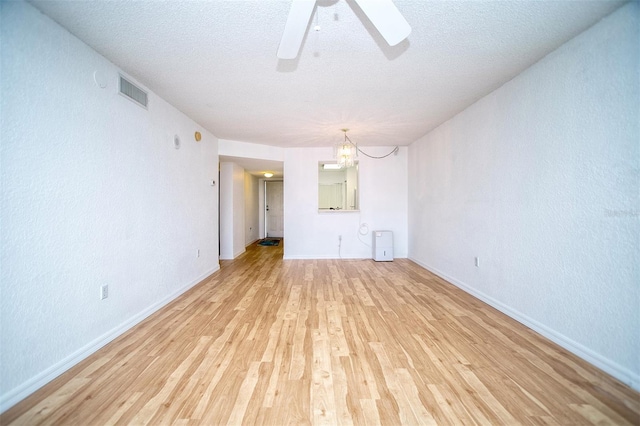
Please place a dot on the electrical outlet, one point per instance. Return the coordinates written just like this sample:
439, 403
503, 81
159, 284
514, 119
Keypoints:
104, 292
477, 262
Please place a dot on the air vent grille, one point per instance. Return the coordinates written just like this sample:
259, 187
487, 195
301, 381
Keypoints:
133, 92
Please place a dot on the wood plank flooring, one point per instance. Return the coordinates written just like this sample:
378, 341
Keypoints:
273, 342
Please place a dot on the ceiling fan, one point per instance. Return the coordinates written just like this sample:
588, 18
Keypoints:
383, 14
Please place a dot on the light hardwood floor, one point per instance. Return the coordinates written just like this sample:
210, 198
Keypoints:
273, 342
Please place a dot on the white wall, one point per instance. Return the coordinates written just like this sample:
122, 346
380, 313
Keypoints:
93, 193
232, 216
310, 234
540, 180
261, 208
251, 209
250, 150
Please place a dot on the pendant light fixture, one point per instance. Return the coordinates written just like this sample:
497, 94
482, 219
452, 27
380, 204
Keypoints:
346, 152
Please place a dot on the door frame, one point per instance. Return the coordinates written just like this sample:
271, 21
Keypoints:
263, 206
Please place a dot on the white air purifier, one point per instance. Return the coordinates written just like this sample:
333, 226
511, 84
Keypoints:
382, 246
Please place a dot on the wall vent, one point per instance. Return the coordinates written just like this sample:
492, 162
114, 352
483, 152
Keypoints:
133, 92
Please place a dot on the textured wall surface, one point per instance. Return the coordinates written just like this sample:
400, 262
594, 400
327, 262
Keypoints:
383, 205
232, 215
540, 181
93, 193
251, 208
250, 150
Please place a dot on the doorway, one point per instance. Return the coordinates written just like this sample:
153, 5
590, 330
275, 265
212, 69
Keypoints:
274, 209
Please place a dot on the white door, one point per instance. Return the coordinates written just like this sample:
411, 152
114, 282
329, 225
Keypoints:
274, 206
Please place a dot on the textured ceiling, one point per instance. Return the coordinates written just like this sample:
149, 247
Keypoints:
216, 61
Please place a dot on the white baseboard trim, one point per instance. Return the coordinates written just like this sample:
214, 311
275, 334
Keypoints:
252, 242
233, 256
27, 388
605, 364
329, 257
326, 257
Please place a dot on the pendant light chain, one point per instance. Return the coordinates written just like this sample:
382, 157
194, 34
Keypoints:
393, 151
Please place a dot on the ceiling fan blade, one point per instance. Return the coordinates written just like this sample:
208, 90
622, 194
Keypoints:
387, 19
295, 28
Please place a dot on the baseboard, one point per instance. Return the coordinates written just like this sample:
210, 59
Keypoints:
608, 366
234, 255
326, 257
27, 388
329, 257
